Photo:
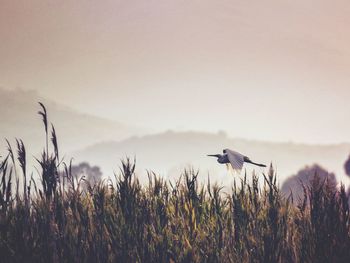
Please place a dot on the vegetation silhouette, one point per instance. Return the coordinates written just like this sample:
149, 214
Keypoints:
295, 184
123, 221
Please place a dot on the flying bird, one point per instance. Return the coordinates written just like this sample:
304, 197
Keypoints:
235, 159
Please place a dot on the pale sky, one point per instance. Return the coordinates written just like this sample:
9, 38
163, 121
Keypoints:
276, 70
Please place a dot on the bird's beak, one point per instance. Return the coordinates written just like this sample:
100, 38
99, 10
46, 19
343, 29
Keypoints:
214, 155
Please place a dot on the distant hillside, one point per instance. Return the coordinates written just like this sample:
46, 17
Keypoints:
19, 118
168, 153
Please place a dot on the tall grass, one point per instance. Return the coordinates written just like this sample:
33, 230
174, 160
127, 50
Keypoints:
123, 221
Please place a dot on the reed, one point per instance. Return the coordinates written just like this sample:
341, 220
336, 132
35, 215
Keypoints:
123, 221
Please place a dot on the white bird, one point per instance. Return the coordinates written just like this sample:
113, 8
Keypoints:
234, 158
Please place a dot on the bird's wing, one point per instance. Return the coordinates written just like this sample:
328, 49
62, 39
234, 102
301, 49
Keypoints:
236, 159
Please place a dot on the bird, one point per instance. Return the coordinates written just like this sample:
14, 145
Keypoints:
234, 158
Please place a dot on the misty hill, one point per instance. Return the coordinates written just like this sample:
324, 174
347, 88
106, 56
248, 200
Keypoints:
169, 152
19, 119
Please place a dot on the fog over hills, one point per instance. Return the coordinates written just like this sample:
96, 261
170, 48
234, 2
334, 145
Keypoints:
104, 143
19, 119
170, 152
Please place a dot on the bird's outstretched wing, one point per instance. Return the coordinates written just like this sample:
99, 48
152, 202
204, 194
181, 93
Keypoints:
236, 159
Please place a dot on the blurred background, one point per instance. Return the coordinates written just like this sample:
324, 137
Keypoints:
171, 81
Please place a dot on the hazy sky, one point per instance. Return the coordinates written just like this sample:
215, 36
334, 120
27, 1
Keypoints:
272, 70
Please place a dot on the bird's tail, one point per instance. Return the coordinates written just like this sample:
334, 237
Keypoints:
257, 164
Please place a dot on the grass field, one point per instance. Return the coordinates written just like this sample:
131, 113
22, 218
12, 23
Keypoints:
123, 221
